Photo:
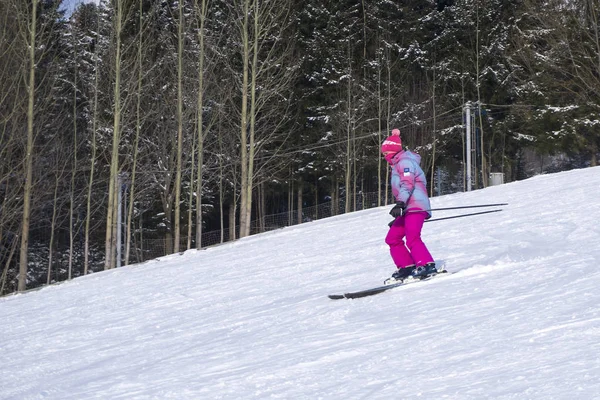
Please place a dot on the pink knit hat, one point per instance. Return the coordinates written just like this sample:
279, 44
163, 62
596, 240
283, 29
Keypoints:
393, 143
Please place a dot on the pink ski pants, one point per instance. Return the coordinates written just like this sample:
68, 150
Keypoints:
414, 252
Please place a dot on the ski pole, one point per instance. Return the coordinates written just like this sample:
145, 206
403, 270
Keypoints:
454, 216
457, 208
462, 215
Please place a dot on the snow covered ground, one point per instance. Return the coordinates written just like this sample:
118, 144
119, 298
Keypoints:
519, 318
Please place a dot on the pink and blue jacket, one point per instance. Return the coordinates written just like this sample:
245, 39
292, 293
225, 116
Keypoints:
408, 181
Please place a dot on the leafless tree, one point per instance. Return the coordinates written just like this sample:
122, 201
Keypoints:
266, 78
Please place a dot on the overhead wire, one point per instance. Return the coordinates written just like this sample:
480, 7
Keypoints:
310, 147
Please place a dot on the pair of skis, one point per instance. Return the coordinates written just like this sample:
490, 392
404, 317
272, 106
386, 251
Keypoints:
381, 289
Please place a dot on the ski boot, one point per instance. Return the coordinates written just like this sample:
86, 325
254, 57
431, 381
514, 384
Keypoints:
424, 271
400, 275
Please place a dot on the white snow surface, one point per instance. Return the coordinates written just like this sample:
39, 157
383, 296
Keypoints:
518, 318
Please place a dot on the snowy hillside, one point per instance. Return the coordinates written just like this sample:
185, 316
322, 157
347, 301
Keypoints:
519, 318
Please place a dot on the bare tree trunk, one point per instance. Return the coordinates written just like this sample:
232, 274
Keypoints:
88, 215
290, 198
72, 189
362, 191
201, 12
138, 127
191, 201
221, 203
269, 20
316, 198
244, 131
251, 147
484, 168
110, 250
115, 225
354, 172
300, 190
23, 260
232, 224
53, 228
261, 209
141, 246
9, 259
483, 161
177, 225
335, 198
348, 132
221, 190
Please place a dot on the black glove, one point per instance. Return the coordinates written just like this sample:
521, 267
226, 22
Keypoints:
398, 210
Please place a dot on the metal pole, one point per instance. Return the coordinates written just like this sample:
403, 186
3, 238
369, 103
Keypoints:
468, 142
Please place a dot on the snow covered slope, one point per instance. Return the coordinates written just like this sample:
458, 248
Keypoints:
518, 319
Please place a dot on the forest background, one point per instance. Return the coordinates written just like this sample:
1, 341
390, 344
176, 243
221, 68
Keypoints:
135, 125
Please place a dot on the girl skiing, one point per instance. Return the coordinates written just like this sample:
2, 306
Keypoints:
409, 187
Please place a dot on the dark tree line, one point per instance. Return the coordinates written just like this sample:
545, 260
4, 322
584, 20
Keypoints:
181, 117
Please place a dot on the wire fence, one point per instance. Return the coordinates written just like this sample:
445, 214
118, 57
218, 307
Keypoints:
64, 257
153, 248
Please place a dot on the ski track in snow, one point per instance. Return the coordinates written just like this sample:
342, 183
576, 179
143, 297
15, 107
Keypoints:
518, 318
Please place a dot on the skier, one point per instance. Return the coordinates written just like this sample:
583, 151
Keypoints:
409, 187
